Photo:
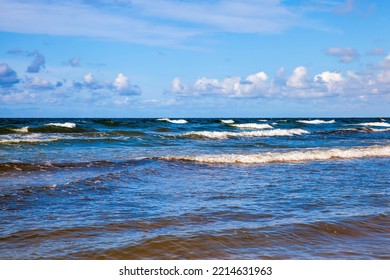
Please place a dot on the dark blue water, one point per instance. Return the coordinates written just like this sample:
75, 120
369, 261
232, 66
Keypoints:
194, 189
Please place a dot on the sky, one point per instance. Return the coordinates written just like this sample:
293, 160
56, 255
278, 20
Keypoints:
187, 58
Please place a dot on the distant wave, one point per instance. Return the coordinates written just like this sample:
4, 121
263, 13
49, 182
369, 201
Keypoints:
173, 121
227, 121
383, 124
227, 134
262, 120
67, 124
295, 156
33, 139
21, 130
252, 125
315, 121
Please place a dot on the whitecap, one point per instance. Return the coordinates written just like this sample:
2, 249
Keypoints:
21, 130
67, 124
315, 121
227, 134
384, 124
173, 121
227, 121
294, 156
252, 126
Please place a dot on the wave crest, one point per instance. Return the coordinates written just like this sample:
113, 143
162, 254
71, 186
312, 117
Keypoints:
252, 126
67, 124
315, 121
383, 124
227, 134
173, 121
295, 156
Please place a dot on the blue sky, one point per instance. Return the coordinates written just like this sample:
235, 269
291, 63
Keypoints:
186, 58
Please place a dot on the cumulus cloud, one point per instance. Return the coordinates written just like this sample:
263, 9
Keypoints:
298, 78
37, 63
297, 85
37, 83
345, 55
8, 76
230, 86
122, 85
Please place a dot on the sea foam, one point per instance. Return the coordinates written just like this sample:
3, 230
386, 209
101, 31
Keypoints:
21, 130
67, 124
315, 121
294, 156
172, 121
252, 126
227, 134
227, 121
383, 124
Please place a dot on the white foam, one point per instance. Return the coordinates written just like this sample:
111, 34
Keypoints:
227, 134
32, 138
227, 121
315, 121
173, 121
252, 125
21, 130
295, 156
384, 124
262, 120
380, 130
67, 124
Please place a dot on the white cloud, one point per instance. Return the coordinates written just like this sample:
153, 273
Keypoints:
332, 81
123, 86
297, 79
159, 22
18, 98
40, 84
88, 78
230, 86
372, 80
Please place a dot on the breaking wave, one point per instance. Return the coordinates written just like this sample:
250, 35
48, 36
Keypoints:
20, 130
383, 124
173, 121
227, 121
252, 126
67, 124
295, 156
315, 121
227, 134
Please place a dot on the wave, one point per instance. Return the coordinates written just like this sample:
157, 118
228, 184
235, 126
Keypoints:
315, 121
227, 121
27, 140
283, 157
67, 124
20, 130
252, 125
227, 134
383, 124
263, 120
173, 121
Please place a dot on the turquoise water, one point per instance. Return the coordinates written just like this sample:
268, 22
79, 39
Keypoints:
194, 188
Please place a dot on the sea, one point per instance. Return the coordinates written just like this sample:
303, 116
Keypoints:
211, 188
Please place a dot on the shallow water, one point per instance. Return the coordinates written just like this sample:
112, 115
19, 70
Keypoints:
194, 188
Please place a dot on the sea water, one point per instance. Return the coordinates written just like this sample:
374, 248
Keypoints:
195, 188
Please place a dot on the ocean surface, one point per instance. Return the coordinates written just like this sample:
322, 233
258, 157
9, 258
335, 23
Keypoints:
195, 188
